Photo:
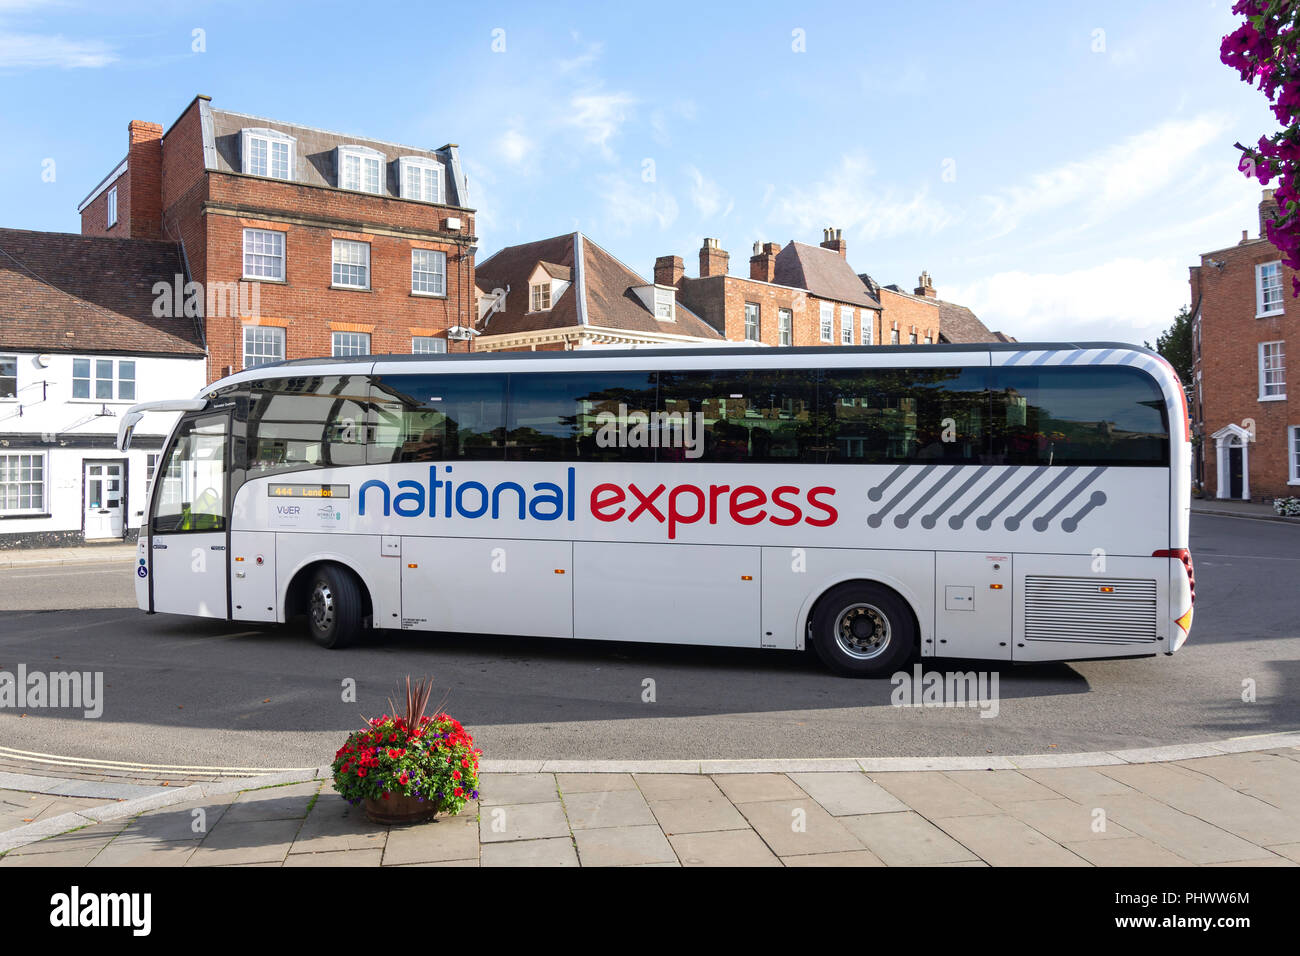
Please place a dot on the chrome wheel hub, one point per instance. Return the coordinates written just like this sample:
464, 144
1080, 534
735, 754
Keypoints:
322, 607
862, 631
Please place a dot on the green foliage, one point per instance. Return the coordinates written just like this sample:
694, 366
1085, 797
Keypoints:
1175, 344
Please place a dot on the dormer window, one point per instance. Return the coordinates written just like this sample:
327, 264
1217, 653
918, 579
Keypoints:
421, 179
267, 152
539, 297
665, 305
361, 168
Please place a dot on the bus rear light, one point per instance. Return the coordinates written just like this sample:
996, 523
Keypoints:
1107, 590
1185, 556
995, 587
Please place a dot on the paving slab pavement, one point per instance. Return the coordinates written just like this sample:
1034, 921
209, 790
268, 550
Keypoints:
1236, 807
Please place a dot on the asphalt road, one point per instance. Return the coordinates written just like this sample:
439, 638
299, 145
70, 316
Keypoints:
184, 691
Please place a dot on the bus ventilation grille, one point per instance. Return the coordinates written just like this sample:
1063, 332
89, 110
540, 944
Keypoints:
1083, 610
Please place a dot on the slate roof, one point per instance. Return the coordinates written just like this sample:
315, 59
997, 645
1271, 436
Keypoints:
601, 283
823, 272
61, 292
316, 160
959, 324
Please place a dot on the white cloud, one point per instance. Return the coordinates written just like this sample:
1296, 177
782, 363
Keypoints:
1109, 180
514, 147
707, 195
584, 59
31, 51
1130, 299
849, 199
629, 205
599, 117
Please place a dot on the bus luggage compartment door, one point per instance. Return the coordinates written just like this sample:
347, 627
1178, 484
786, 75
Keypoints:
667, 593
973, 605
488, 586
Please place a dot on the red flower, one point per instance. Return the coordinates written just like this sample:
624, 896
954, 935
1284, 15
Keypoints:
361, 772
403, 779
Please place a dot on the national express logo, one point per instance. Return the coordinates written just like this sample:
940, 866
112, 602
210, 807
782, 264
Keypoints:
442, 496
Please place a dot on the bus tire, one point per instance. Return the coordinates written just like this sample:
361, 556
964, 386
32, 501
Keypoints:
335, 607
862, 629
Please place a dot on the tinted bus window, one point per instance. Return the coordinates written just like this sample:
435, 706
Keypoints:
438, 418
1104, 415
892, 415
763, 416
583, 416
294, 424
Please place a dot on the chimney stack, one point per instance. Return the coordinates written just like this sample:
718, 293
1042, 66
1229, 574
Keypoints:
924, 288
144, 177
762, 264
1267, 210
669, 270
713, 260
833, 239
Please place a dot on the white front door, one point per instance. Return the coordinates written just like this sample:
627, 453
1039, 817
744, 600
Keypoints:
103, 503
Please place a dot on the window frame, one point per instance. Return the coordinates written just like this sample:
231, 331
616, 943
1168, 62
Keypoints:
827, 323
785, 327
1293, 454
665, 297
334, 344
335, 263
758, 322
538, 291
256, 329
93, 379
41, 484
5, 359
1280, 368
438, 255
868, 317
1260, 310
425, 166
282, 255
434, 339
110, 214
363, 155
848, 328
248, 135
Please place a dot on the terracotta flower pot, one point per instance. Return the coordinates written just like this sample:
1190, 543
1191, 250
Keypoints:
399, 810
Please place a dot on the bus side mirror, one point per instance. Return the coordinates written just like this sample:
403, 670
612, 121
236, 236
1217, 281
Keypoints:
126, 429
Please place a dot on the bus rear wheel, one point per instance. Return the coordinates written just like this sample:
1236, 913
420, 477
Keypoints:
863, 630
335, 608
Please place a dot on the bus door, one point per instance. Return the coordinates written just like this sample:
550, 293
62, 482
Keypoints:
189, 519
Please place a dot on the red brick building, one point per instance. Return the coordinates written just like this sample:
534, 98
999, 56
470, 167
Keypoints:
797, 295
566, 293
299, 242
1244, 321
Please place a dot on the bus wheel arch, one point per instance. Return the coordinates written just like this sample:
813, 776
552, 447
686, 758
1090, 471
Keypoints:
334, 600
862, 627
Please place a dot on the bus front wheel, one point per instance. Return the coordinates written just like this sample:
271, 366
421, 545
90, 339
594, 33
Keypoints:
862, 629
335, 608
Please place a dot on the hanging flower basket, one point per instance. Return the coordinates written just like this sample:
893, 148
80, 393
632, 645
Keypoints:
411, 767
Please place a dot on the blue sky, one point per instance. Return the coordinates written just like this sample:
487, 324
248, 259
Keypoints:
1057, 179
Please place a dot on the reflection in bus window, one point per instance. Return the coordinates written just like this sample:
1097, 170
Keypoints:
192, 496
305, 422
438, 418
885, 415
583, 416
1078, 416
745, 416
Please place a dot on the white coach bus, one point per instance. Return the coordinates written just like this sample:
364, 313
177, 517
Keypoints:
999, 502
